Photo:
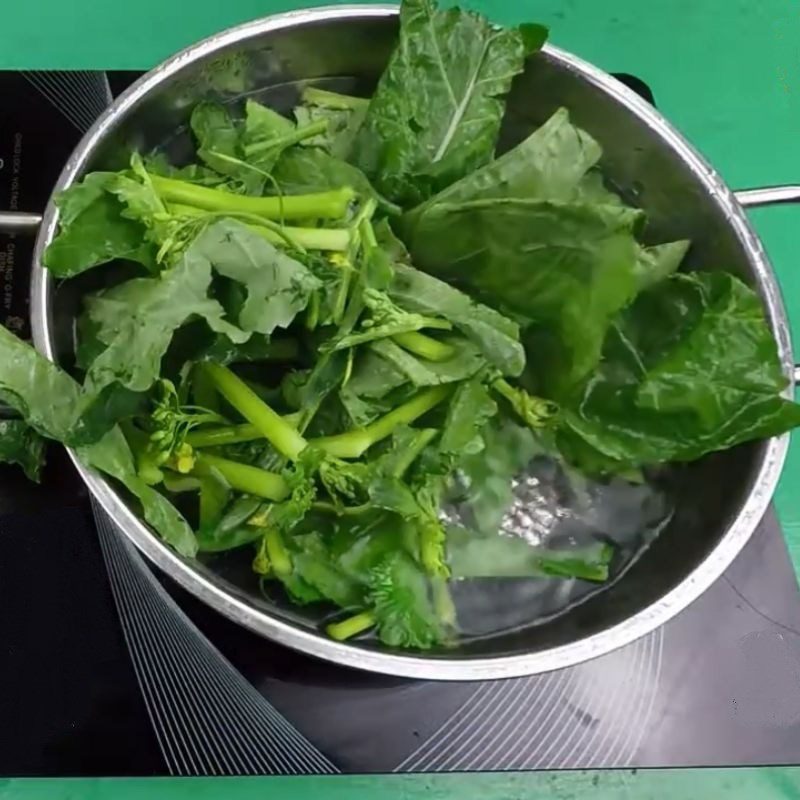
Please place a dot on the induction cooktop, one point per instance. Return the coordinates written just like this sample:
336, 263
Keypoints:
108, 668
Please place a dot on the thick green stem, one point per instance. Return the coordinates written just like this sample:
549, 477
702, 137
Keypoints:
407, 413
312, 312
227, 434
352, 626
341, 297
350, 445
354, 444
321, 205
283, 436
336, 240
332, 240
251, 480
232, 434
177, 484
278, 554
424, 346
282, 142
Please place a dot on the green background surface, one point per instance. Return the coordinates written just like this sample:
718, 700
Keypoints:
710, 784
726, 72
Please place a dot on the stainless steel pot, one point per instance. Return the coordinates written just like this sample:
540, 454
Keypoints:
720, 500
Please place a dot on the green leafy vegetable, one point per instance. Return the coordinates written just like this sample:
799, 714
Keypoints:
690, 368
496, 336
343, 116
112, 456
136, 320
436, 113
311, 169
659, 262
549, 165
51, 401
246, 151
278, 287
20, 444
470, 410
95, 230
566, 267
218, 144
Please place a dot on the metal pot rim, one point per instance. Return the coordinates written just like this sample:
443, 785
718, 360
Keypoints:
406, 665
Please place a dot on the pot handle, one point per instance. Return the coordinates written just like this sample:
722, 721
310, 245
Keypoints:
768, 196
19, 222
771, 196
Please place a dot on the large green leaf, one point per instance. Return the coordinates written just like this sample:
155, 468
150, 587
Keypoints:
53, 405
436, 113
691, 367
136, 320
538, 231
278, 287
549, 165
112, 456
20, 444
93, 230
48, 398
568, 268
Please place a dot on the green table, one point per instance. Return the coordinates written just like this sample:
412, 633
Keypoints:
726, 72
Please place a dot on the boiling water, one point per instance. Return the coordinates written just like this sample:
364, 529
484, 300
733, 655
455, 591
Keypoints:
557, 509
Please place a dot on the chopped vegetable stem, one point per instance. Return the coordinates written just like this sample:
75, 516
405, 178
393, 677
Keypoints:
355, 443
228, 434
327, 239
278, 554
281, 434
321, 205
249, 479
424, 346
352, 626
